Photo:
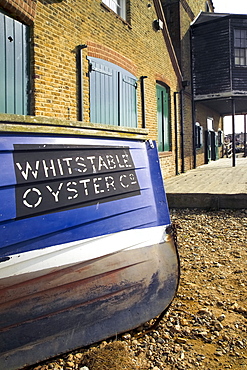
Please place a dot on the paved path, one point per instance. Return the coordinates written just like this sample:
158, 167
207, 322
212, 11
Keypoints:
213, 186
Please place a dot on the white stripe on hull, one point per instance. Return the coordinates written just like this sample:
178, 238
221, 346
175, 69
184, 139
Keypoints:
67, 254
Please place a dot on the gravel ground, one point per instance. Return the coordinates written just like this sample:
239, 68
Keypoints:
206, 325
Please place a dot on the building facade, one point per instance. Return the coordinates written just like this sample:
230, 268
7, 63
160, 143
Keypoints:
113, 67
220, 77
98, 63
200, 124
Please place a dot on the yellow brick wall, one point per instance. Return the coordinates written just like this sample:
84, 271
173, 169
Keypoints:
60, 27
134, 45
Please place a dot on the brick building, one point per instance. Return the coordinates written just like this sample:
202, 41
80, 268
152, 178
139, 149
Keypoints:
104, 67
199, 121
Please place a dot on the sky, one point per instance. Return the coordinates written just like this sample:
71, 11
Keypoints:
236, 7
230, 6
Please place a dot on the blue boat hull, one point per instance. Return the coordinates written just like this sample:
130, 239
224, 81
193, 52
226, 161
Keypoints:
86, 251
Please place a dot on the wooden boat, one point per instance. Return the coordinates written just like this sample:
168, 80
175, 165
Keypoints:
85, 241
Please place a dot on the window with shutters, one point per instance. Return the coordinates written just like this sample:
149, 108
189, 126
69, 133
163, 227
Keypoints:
163, 111
112, 94
14, 66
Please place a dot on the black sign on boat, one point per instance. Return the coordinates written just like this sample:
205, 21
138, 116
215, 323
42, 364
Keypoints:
52, 178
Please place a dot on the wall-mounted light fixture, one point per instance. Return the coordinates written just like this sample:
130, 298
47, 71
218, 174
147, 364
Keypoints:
185, 83
82, 46
158, 24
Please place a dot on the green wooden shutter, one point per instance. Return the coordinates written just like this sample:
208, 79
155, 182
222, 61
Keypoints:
14, 66
163, 119
112, 94
128, 113
103, 93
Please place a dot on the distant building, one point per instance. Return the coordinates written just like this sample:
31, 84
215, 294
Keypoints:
219, 49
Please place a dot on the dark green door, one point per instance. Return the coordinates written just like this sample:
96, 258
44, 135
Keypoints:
14, 66
214, 146
163, 118
208, 149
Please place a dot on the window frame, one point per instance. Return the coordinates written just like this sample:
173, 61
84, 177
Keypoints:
240, 47
117, 6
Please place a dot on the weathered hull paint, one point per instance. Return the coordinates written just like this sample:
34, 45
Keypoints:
73, 275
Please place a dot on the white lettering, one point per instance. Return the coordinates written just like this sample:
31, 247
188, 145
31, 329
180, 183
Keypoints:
60, 166
111, 163
55, 194
126, 160
47, 168
132, 179
96, 186
92, 163
29, 205
84, 167
123, 178
25, 173
73, 190
119, 164
101, 163
109, 181
67, 161
84, 182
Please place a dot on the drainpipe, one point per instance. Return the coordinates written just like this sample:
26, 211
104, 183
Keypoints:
193, 105
194, 131
181, 96
182, 128
233, 134
143, 101
245, 146
80, 80
176, 131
